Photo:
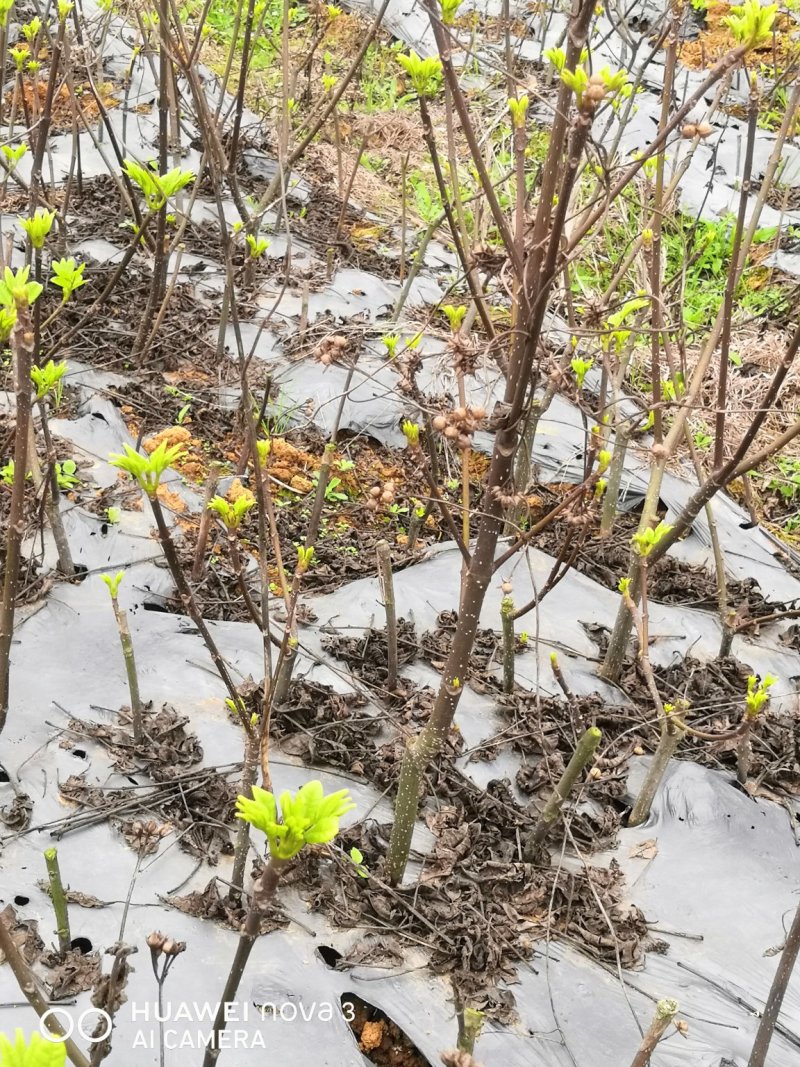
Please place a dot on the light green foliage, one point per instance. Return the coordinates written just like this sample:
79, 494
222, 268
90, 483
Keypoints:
157, 188
449, 10
358, 859
333, 494
256, 246
263, 447
113, 515
16, 290
5, 9
603, 460
147, 470
391, 341
624, 586
8, 316
305, 557
411, 432
556, 56
65, 474
13, 154
757, 694
518, 109
113, 583
32, 29
37, 1051
67, 276
19, 55
308, 818
49, 379
455, 315
750, 23
645, 541
64, 9
232, 514
425, 74
580, 368
577, 80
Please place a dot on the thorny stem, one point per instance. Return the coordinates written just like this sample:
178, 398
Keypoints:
187, 597
580, 758
242, 846
507, 621
384, 555
29, 987
263, 893
59, 900
22, 340
126, 642
769, 1020
666, 1010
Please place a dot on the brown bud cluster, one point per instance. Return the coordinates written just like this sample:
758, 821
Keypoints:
158, 943
330, 349
460, 424
144, 836
381, 495
595, 92
696, 129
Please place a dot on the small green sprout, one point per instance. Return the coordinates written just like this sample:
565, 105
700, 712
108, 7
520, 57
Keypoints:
67, 276
49, 379
31, 29
647, 540
419, 509
37, 1051
33, 66
113, 583
65, 474
308, 818
425, 74
16, 290
19, 55
263, 447
600, 488
232, 514
305, 557
256, 246
413, 342
64, 9
411, 432
455, 315
358, 860
391, 341
603, 460
147, 470
8, 317
241, 710
750, 23
13, 155
157, 188
757, 694
519, 109
113, 515
523, 637
449, 10
329, 82
5, 9
624, 586
333, 11
578, 81
580, 368
556, 56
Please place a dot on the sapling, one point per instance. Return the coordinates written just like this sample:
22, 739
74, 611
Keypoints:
580, 758
308, 818
507, 624
755, 700
125, 640
384, 555
59, 899
48, 382
780, 983
16, 293
666, 1010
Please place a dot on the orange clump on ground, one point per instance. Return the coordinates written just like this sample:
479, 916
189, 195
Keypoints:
66, 107
716, 40
193, 465
372, 1035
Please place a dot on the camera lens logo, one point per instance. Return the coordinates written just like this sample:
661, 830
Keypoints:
85, 1024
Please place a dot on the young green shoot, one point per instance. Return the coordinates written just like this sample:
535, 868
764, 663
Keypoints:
147, 470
